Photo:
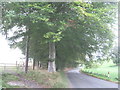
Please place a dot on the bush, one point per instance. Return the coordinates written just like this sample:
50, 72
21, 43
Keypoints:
92, 64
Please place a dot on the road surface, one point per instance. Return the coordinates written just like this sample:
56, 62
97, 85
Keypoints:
80, 80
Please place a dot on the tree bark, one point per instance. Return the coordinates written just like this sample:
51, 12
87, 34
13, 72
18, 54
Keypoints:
38, 64
27, 54
33, 64
52, 56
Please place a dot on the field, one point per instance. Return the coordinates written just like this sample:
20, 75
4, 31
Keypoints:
107, 71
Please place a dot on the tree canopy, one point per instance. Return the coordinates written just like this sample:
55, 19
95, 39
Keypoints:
77, 28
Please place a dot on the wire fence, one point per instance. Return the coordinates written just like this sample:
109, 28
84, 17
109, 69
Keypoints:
11, 67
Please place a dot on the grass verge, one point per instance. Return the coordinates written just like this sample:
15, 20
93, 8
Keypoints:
8, 77
48, 80
0, 81
107, 71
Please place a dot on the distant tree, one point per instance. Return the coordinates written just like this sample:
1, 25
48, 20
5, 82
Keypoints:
115, 55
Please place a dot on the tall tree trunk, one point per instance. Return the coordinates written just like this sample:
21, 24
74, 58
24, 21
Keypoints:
33, 64
27, 54
38, 64
52, 56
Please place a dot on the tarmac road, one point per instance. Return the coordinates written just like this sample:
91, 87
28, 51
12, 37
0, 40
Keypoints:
80, 80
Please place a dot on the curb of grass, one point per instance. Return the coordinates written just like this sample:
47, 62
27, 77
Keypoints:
99, 77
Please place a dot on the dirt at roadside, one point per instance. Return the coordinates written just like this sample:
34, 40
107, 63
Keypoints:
24, 82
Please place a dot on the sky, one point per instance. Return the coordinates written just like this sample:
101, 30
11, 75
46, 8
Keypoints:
8, 55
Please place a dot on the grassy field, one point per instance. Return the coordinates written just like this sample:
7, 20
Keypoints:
103, 70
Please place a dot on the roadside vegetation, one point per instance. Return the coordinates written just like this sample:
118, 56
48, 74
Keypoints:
42, 77
0, 78
0, 81
46, 79
7, 78
106, 71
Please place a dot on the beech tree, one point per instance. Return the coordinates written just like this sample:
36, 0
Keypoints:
68, 30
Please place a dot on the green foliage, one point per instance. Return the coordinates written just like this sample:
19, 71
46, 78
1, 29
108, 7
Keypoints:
77, 28
115, 55
53, 37
93, 64
116, 61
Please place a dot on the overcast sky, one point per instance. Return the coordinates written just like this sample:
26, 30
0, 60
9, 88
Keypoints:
8, 55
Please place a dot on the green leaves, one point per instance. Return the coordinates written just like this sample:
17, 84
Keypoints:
53, 37
77, 28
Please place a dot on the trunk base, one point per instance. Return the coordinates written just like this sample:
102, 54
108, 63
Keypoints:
51, 66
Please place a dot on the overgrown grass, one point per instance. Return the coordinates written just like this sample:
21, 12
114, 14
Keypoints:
8, 77
0, 81
48, 80
102, 71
